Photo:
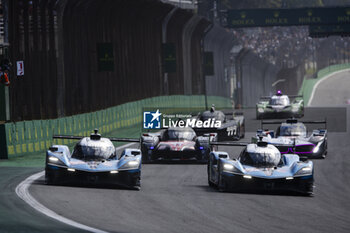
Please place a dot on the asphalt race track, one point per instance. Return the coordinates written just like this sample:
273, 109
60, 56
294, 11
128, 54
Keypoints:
177, 198
334, 90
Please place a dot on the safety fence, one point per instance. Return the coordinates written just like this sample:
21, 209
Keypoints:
308, 84
27, 137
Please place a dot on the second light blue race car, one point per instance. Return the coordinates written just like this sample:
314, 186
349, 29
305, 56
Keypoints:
259, 167
94, 160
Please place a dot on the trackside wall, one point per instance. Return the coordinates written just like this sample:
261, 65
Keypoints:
255, 77
27, 137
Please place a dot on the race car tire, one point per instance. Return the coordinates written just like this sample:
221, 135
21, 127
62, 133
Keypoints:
211, 184
145, 156
50, 178
243, 131
221, 183
308, 189
135, 184
258, 116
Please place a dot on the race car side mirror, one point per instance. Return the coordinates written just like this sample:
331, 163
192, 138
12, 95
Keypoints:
223, 156
303, 158
53, 149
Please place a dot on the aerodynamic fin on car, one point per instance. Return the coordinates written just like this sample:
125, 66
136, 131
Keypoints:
293, 121
229, 143
96, 136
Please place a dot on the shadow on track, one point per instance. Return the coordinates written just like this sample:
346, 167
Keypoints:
251, 192
176, 162
41, 182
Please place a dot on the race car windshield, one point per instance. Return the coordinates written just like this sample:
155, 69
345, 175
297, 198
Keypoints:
93, 152
261, 159
217, 115
179, 135
279, 101
293, 130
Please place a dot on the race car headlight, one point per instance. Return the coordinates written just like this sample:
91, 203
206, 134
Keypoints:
316, 148
162, 147
131, 165
230, 168
304, 171
55, 160
295, 109
188, 148
260, 110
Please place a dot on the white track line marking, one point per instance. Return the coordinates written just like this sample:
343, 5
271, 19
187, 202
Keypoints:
321, 80
22, 191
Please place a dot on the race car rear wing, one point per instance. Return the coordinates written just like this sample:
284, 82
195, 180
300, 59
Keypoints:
96, 136
259, 143
81, 137
293, 121
234, 113
290, 96
229, 143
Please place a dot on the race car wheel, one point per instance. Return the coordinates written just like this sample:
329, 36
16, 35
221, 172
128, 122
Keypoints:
211, 184
243, 130
136, 184
258, 116
221, 183
145, 156
308, 189
50, 178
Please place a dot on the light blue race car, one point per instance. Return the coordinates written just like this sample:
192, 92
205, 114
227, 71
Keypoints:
94, 160
259, 167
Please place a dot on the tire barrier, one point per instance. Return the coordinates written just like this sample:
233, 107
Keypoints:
28, 137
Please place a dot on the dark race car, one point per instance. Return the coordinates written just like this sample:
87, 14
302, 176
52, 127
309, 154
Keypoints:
292, 136
94, 160
232, 124
175, 143
259, 167
280, 106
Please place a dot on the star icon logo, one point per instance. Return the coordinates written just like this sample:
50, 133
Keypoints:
151, 120
156, 115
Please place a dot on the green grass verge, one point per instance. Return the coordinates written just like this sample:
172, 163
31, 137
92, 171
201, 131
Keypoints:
308, 84
38, 159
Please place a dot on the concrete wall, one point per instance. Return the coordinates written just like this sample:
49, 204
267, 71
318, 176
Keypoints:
219, 41
254, 78
29, 137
